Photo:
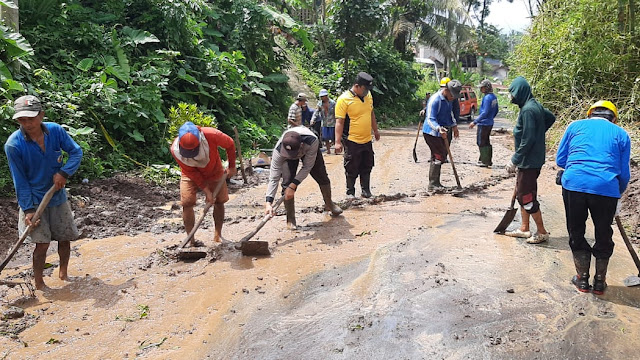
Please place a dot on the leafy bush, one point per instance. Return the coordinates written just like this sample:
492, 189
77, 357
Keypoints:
111, 70
187, 112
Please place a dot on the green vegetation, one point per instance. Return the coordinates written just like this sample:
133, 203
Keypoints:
582, 51
111, 70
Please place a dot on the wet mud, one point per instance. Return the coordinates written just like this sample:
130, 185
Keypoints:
406, 274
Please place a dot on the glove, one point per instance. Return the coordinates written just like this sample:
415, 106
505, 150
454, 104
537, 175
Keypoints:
511, 168
618, 207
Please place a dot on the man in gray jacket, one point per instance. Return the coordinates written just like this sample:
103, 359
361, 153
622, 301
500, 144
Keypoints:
298, 143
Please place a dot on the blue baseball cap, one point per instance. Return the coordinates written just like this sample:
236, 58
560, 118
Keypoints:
189, 140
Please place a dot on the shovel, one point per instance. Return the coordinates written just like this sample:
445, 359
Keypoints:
252, 248
43, 205
453, 165
415, 155
631, 280
193, 254
508, 216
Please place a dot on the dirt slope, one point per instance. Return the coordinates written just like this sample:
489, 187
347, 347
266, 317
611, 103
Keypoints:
412, 275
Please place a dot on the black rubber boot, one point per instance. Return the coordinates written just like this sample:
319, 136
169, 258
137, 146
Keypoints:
365, 184
290, 206
599, 284
328, 203
351, 186
434, 176
582, 260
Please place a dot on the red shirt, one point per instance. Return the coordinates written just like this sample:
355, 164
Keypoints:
213, 170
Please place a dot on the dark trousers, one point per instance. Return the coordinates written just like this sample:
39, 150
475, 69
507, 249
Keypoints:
482, 135
318, 171
358, 158
577, 206
437, 147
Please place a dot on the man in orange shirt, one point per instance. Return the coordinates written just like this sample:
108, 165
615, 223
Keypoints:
196, 151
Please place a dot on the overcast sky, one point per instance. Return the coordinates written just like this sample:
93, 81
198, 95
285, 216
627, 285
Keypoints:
509, 16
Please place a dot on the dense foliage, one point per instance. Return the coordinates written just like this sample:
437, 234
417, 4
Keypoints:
110, 70
579, 52
348, 45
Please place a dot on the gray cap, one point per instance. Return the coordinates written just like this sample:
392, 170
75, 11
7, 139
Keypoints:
301, 97
27, 106
454, 87
486, 84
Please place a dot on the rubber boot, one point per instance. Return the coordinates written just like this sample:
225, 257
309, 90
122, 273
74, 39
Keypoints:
351, 186
290, 206
480, 162
489, 161
434, 176
582, 260
599, 284
365, 184
328, 203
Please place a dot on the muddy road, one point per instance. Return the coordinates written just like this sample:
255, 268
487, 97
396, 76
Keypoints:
406, 275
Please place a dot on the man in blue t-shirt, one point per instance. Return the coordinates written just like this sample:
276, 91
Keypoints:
595, 154
36, 162
488, 111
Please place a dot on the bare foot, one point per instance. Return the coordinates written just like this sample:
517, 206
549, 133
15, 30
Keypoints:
217, 239
41, 285
196, 243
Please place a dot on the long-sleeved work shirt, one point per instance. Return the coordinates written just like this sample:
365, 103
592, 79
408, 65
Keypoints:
595, 154
32, 169
308, 152
208, 169
439, 113
488, 110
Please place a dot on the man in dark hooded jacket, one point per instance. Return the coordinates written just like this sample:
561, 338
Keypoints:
532, 124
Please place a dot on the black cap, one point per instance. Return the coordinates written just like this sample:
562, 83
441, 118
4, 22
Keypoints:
291, 144
364, 79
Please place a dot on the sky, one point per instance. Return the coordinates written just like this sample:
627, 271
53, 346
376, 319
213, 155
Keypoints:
509, 16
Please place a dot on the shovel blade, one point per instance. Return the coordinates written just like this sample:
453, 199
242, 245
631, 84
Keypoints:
255, 248
415, 155
191, 255
632, 281
506, 220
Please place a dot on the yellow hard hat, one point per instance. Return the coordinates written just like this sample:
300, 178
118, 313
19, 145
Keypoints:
444, 81
603, 104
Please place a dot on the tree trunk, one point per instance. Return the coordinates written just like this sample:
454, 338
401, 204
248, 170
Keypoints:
621, 15
11, 17
632, 17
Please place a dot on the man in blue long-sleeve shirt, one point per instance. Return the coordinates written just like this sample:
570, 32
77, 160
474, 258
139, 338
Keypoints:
488, 111
595, 154
35, 159
439, 124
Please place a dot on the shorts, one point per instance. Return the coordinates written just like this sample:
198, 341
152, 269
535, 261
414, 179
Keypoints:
328, 133
189, 190
527, 189
56, 224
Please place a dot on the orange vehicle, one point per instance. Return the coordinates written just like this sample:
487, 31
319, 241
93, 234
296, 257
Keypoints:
468, 103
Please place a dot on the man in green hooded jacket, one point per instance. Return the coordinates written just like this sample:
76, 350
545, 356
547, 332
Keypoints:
533, 122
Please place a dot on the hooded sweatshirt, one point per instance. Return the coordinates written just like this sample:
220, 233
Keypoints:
533, 122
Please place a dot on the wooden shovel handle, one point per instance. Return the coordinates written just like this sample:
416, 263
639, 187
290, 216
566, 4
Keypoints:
453, 165
265, 219
43, 205
628, 243
513, 198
